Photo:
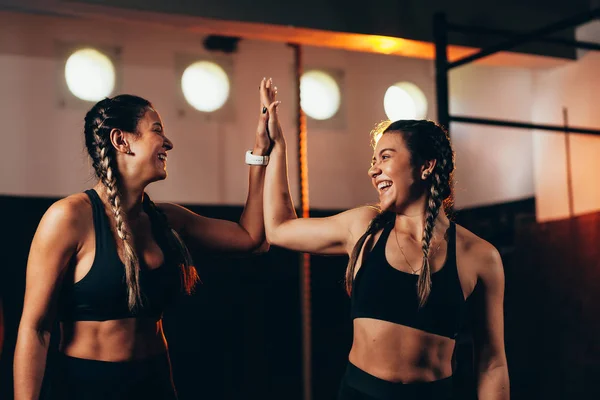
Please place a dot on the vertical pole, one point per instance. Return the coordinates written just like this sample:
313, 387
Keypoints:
305, 291
440, 35
568, 162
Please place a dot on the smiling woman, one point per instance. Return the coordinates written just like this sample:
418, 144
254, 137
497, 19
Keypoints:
107, 262
408, 294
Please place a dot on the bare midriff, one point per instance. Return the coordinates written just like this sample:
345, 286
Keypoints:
399, 353
115, 340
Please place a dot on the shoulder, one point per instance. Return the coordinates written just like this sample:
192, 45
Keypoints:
480, 255
171, 208
176, 215
70, 210
358, 219
356, 222
66, 220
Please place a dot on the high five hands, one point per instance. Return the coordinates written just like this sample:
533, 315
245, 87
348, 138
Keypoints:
268, 93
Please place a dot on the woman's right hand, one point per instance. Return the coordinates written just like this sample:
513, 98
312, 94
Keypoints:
268, 92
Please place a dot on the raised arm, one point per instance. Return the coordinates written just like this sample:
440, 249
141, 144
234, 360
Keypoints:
247, 235
491, 365
332, 235
56, 241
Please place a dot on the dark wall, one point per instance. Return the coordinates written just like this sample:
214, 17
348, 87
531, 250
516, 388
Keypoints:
239, 335
555, 335
410, 19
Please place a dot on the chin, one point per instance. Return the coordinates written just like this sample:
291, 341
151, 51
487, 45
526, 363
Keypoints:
158, 177
386, 206
392, 205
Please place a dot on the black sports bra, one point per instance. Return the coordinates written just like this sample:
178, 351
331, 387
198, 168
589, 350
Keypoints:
382, 292
101, 294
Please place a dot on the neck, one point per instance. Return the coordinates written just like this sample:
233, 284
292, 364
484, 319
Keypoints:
411, 219
131, 198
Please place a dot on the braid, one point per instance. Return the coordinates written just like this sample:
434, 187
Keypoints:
431, 212
439, 193
104, 165
376, 224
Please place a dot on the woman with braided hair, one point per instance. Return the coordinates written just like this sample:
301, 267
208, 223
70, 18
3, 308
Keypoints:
107, 262
410, 271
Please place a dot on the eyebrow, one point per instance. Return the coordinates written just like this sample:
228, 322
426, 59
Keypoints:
383, 150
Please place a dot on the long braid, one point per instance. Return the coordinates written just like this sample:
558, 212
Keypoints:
431, 213
104, 165
439, 193
376, 224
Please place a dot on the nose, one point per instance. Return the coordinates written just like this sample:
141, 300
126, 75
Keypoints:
168, 144
374, 171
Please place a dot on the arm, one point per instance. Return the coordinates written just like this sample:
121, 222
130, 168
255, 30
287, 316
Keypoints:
248, 234
54, 244
332, 235
490, 356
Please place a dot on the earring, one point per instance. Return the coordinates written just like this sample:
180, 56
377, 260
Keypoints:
129, 151
426, 174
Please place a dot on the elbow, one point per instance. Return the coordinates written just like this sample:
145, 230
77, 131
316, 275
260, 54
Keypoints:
262, 248
272, 232
39, 332
497, 367
271, 237
490, 361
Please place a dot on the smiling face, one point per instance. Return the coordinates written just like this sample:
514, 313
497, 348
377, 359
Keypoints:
149, 147
392, 173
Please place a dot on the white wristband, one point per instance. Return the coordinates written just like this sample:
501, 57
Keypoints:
252, 159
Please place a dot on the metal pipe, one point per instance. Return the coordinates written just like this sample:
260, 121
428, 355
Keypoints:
305, 291
523, 125
568, 162
479, 30
520, 39
440, 35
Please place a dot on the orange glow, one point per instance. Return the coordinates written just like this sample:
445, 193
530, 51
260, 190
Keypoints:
385, 45
340, 40
286, 34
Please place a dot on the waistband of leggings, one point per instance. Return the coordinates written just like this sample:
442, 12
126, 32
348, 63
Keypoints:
382, 389
88, 368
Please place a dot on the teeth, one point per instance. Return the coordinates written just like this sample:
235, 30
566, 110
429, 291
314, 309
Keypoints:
162, 157
384, 185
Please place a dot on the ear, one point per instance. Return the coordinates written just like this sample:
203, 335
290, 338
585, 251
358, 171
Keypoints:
120, 141
427, 169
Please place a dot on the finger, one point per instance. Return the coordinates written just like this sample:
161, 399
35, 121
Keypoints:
272, 110
264, 94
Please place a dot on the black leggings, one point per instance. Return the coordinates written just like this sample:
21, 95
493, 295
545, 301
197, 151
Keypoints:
360, 385
78, 379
